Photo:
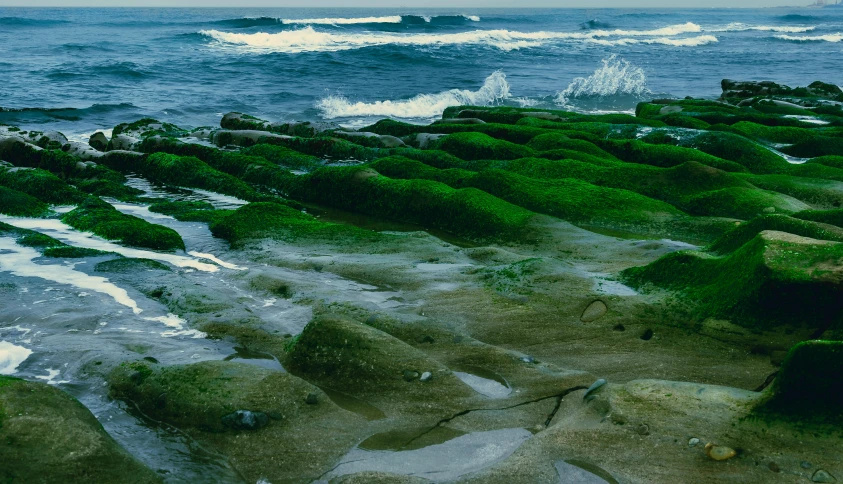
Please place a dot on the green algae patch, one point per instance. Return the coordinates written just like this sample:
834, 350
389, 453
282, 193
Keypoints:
746, 231
808, 388
19, 204
478, 146
559, 141
130, 266
276, 221
48, 436
70, 252
775, 134
283, 156
467, 212
818, 192
99, 217
189, 171
42, 185
665, 156
816, 147
190, 211
728, 146
743, 203
774, 279
832, 217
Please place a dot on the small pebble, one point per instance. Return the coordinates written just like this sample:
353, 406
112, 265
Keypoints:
773, 466
822, 476
805, 464
426, 376
648, 335
643, 429
527, 359
619, 327
719, 452
427, 339
410, 375
311, 399
693, 442
245, 420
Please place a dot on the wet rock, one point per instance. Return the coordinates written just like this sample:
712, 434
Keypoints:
693, 442
245, 420
123, 142
98, 141
426, 376
425, 140
822, 476
542, 115
643, 429
719, 452
594, 387
410, 375
527, 359
460, 121
48, 436
311, 399
594, 311
805, 464
377, 477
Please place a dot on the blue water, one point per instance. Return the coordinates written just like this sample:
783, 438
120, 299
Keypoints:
189, 66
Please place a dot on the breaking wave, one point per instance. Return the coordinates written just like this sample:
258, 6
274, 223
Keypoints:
423, 106
741, 27
309, 40
616, 77
686, 42
815, 38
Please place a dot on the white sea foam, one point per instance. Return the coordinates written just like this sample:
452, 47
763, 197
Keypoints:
392, 19
18, 261
59, 230
11, 356
683, 42
615, 77
741, 27
173, 321
815, 38
495, 89
309, 40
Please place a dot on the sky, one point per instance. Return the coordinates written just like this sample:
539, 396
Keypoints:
407, 3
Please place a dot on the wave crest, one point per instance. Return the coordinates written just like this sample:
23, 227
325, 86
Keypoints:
838, 37
686, 42
392, 19
741, 27
495, 89
615, 77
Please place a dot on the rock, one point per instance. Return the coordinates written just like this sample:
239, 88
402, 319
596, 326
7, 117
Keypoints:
410, 375
594, 387
527, 359
777, 357
647, 335
773, 467
810, 377
245, 420
643, 429
48, 436
460, 121
719, 452
805, 464
670, 110
619, 327
311, 399
542, 115
594, 311
247, 137
98, 141
693, 442
822, 476
123, 142
424, 140
381, 140
426, 376
427, 339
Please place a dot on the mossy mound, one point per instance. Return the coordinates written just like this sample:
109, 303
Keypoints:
19, 204
48, 436
190, 211
665, 156
746, 231
776, 278
743, 203
832, 217
466, 211
42, 185
130, 266
99, 217
285, 157
818, 146
478, 146
276, 221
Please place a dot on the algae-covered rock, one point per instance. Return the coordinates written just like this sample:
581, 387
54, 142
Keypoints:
257, 418
810, 379
48, 436
19, 204
775, 278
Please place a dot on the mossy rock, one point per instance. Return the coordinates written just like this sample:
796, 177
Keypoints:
48, 436
42, 185
99, 217
819, 146
478, 146
19, 204
810, 377
743, 203
728, 146
746, 231
774, 279
832, 217
283, 156
190, 211
130, 266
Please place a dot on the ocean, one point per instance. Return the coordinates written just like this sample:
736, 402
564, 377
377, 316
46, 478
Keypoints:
78, 70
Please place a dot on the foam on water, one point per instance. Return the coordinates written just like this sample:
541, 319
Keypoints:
741, 27
615, 77
19, 261
310, 40
495, 89
684, 42
816, 38
59, 230
173, 321
11, 356
392, 19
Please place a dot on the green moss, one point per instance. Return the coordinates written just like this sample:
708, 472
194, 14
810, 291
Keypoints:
128, 265
285, 157
101, 218
276, 221
467, 211
741, 202
732, 147
831, 161
773, 279
554, 141
148, 127
69, 252
818, 146
746, 231
19, 204
665, 156
818, 193
42, 185
477, 146
775, 134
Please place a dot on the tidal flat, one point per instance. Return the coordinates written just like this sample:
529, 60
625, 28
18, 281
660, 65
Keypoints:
504, 295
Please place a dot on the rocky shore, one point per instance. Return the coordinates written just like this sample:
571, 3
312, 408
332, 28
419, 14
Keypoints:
505, 295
